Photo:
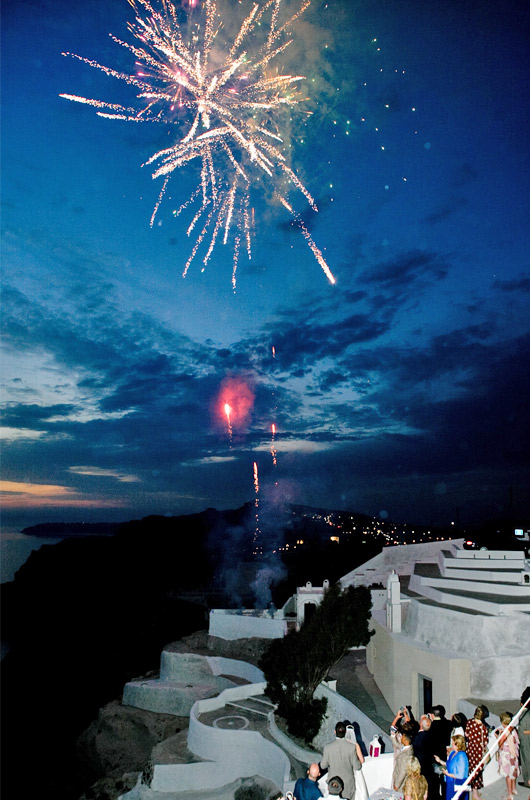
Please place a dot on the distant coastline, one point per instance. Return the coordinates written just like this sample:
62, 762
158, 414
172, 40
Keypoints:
64, 529
17, 546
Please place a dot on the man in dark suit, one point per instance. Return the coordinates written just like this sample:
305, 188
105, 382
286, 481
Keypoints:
438, 741
422, 751
340, 758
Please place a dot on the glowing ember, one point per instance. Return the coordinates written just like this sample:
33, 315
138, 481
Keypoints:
234, 403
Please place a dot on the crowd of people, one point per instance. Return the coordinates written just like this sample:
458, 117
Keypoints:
433, 757
449, 751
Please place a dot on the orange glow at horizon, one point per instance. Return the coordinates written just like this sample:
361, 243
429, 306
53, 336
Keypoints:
17, 494
38, 489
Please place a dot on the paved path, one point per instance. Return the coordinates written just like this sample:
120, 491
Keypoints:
356, 684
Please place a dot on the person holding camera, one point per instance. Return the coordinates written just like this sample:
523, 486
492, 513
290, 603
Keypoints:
401, 735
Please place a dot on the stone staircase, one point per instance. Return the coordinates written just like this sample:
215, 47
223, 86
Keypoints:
485, 581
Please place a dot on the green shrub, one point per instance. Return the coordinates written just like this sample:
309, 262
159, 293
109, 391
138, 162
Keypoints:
295, 665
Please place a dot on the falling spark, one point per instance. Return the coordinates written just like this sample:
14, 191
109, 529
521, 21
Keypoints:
273, 351
229, 101
307, 236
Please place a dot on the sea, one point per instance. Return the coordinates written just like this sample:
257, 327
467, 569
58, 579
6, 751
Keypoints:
15, 549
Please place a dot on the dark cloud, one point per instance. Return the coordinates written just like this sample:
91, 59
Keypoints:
304, 341
331, 379
462, 398
446, 210
464, 175
34, 416
521, 284
401, 272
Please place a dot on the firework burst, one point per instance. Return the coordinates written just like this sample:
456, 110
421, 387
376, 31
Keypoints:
226, 95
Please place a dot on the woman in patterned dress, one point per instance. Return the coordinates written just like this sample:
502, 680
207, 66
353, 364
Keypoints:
476, 744
508, 753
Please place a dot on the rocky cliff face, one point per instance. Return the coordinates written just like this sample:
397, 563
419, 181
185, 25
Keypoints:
121, 740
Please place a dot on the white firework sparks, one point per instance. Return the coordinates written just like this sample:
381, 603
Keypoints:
231, 94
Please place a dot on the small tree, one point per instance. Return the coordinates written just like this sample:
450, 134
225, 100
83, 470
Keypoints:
295, 665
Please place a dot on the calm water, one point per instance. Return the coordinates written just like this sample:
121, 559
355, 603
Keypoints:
15, 549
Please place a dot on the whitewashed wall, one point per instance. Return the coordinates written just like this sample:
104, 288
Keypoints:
231, 626
231, 754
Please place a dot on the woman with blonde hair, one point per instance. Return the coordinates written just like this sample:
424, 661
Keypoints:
415, 786
456, 768
508, 753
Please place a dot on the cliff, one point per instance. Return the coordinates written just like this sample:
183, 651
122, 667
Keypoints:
122, 742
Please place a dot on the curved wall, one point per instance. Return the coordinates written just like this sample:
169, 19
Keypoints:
235, 754
232, 666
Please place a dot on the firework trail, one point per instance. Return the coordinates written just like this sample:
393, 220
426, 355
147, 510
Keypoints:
273, 425
256, 545
273, 445
229, 96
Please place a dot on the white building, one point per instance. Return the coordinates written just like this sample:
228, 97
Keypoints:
452, 628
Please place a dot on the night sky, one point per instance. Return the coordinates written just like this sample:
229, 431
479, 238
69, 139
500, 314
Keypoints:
401, 391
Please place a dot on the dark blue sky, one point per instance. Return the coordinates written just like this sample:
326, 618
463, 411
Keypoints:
403, 389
